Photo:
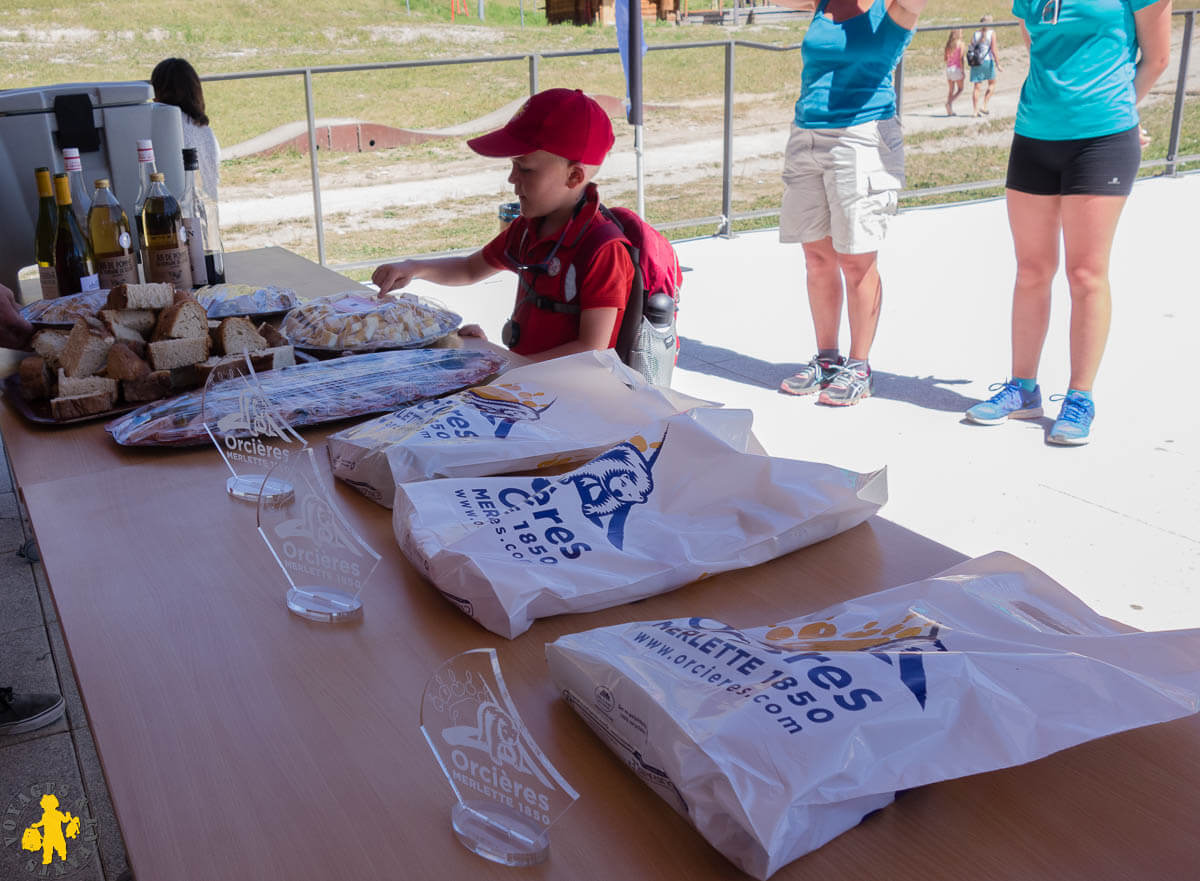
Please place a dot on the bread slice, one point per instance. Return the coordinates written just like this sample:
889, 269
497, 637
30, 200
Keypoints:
150, 387
183, 296
166, 354
119, 331
271, 334
140, 320
270, 359
184, 320
72, 407
50, 344
87, 348
124, 363
236, 335
35, 379
141, 296
76, 386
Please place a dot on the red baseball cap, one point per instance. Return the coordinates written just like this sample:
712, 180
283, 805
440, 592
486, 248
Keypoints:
565, 122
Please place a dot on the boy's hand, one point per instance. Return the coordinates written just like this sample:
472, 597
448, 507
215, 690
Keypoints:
392, 276
472, 330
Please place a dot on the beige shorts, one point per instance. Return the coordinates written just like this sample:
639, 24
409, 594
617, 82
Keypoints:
843, 183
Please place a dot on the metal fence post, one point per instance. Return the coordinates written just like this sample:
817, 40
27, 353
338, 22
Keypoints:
312, 159
1185, 51
727, 163
533, 74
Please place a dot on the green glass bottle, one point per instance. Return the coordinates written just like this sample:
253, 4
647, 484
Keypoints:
43, 242
74, 265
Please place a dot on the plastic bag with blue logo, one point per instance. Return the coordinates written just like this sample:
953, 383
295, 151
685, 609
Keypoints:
555, 414
773, 740
681, 499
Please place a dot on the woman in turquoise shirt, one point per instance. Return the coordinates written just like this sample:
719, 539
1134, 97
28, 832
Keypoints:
1075, 154
843, 166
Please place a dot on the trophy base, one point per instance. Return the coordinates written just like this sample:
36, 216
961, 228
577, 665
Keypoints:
324, 604
249, 487
506, 839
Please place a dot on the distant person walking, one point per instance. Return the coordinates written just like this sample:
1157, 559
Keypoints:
985, 64
955, 56
1075, 154
843, 167
176, 82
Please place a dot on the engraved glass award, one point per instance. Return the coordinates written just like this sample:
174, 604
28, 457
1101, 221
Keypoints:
508, 794
324, 559
250, 433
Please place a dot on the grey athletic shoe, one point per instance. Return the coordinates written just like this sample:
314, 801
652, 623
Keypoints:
849, 386
26, 712
812, 377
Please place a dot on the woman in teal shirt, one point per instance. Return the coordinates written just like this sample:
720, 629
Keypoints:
843, 166
1075, 154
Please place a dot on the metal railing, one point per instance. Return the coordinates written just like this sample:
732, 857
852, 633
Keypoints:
725, 220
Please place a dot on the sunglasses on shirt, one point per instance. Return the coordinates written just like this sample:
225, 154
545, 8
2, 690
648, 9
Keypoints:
1050, 11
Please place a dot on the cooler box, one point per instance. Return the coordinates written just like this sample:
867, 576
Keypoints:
105, 121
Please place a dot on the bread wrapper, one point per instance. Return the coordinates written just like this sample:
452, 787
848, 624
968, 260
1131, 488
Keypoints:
680, 500
314, 393
557, 413
225, 300
773, 740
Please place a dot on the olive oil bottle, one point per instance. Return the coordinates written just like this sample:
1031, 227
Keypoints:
112, 240
165, 237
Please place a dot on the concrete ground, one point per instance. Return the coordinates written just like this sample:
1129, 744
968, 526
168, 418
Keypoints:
1117, 522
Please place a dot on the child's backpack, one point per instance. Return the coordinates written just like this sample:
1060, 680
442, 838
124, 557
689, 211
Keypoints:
977, 51
647, 341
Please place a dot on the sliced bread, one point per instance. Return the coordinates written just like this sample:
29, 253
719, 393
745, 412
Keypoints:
87, 348
141, 296
236, 335
50, 344
184, 320
150, 387
167, 354
73, 407
76, 386
271, 334
270, 359
35, 379
126, 364
140, 320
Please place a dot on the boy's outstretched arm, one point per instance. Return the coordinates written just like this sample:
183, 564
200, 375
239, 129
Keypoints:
457, 270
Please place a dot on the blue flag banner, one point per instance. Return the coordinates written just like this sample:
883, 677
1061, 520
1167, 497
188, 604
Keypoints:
621, 11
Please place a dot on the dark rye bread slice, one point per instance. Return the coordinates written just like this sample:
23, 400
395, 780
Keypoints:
35, 378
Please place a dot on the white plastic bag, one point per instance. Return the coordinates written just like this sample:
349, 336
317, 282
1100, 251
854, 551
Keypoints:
685, 498
555, 413
773, 740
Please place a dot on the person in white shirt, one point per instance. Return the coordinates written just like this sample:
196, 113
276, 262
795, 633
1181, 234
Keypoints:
176, 82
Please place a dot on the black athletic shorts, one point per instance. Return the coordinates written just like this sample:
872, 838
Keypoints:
1103, 166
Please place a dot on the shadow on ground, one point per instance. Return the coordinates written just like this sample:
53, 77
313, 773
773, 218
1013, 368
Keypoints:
928, 392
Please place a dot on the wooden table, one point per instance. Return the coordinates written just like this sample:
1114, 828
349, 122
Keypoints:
242, 742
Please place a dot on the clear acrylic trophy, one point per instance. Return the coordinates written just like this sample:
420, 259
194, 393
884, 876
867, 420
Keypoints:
508, 794
325, 561
250, 433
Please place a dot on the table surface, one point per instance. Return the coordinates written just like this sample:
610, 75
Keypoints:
239, 741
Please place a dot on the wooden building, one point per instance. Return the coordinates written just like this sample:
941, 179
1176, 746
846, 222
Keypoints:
602, 12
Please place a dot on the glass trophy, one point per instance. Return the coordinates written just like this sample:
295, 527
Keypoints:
248, 431
324, 559
508, 794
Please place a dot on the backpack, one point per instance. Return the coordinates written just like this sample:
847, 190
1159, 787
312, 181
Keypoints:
977, 51
646, 341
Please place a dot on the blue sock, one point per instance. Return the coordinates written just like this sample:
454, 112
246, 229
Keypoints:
1027, 384
1085, 395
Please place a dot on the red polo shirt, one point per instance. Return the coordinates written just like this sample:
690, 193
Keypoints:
604, 282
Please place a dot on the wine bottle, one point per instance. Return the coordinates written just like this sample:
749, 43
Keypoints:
43, 247
81, 201
165, 237
112, 242
74, 265
145, 155
194, 219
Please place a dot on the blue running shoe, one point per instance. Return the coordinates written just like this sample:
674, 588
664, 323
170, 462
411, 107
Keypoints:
1010, 402
1074, 424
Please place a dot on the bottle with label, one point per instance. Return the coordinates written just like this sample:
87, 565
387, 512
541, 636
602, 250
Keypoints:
194, 218
81, 201
214, 251
164, 237
145, 154
112, 241
74, 265
43, 243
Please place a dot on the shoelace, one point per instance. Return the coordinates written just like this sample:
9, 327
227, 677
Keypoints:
1073, 409
1003, 388
846, 376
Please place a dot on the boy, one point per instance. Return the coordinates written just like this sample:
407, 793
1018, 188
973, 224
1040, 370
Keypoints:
557, 142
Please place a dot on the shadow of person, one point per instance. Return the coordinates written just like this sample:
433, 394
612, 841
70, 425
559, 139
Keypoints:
928, 392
